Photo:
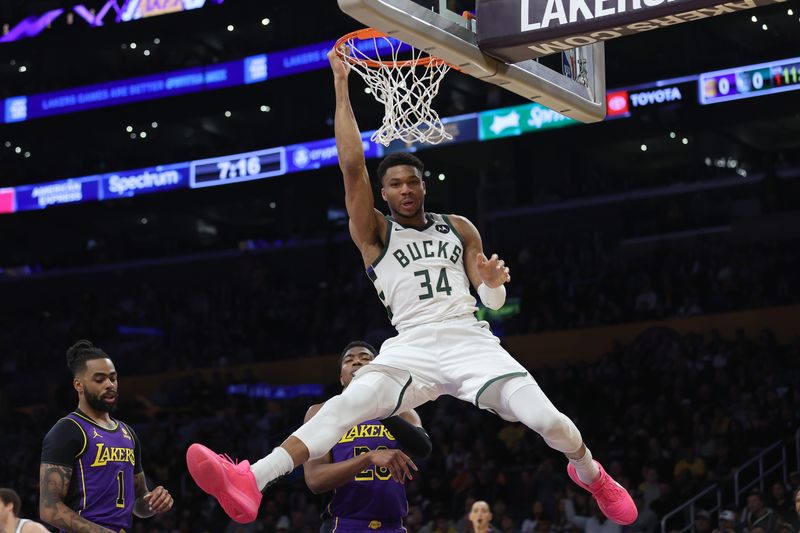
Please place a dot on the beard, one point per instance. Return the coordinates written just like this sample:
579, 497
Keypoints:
98, 404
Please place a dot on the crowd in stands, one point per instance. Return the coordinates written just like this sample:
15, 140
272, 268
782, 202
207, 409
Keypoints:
568, 285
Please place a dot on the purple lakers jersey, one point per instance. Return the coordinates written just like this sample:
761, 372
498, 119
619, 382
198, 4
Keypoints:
372, 494
102, 485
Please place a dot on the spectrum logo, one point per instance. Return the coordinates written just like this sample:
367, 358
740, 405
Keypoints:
618, 104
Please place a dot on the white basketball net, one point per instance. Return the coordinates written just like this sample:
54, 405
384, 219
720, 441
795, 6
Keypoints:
405, 89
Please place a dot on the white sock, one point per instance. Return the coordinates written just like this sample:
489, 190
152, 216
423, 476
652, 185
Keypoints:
276, 464
586, 468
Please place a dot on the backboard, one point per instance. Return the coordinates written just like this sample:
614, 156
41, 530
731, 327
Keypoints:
502, 44
453, 38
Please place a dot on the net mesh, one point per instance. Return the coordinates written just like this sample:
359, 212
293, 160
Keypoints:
405, 87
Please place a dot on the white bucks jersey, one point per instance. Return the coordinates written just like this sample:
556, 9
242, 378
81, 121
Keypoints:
420, 275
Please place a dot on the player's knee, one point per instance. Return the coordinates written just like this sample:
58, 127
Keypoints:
550, 424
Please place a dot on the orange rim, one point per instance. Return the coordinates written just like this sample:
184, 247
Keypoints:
371, 33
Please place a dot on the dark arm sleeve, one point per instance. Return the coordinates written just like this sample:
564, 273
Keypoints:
63, 443
137, 451
411, 438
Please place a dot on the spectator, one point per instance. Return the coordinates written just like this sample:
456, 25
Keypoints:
796, 497
727, 522
439, 524
480, 517
595, 523
702, 521
650, 487
529, 524
691, 462
647, 521
780, 503
756, 515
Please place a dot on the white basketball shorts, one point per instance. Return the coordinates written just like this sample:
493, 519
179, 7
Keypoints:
459, 357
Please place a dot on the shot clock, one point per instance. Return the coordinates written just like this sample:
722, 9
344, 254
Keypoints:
237, 167
750, 81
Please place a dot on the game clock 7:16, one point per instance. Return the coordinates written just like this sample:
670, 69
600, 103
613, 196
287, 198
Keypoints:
237, 167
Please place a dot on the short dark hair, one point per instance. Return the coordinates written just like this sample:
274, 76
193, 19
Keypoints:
80, 352
9, 496
398, 159
355, 344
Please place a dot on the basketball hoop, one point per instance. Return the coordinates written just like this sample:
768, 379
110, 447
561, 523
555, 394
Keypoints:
405, 87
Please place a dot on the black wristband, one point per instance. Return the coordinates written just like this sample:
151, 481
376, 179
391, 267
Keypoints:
411, 438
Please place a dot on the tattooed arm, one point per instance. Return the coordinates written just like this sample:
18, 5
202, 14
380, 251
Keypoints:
140, 507
53, 486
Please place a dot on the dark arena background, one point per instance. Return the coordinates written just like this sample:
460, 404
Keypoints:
655, 257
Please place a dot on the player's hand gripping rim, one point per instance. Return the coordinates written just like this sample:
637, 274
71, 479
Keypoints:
493, 271
396, 462
339, 66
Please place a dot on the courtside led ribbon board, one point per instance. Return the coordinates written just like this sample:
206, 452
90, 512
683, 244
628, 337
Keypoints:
516, 30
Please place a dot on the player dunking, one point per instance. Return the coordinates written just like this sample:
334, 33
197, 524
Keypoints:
364, 467
91, 478
422, 265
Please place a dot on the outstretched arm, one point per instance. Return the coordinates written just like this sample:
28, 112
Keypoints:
323, 475
53, 485
367, 225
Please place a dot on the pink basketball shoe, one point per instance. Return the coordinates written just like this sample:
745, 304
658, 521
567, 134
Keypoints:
232, 484
612, 498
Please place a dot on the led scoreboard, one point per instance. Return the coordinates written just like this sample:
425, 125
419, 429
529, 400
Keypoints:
237, 167
749, 81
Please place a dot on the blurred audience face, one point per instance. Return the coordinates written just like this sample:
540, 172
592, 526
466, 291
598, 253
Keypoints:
702, 523
755, 504
538, 508
797, 501
727, 521
480, 515
778, 492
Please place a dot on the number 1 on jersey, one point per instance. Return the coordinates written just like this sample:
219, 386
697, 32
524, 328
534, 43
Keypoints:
442, 285
120, 490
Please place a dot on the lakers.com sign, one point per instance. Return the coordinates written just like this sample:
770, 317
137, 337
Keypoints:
516, 30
